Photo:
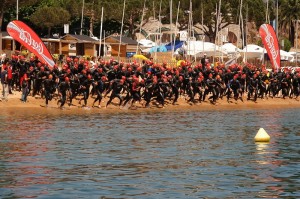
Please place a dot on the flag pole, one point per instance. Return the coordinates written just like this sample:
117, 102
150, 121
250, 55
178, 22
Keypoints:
121, 31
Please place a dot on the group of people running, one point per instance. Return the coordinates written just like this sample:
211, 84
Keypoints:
79, 78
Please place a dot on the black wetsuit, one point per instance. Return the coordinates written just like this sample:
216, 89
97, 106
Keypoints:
74, 87
117, 87
63, 88
49, 88
235, 87
211, 87
99, 88
85, 90
253, 88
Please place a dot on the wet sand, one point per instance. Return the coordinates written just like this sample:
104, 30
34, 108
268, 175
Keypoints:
36, 105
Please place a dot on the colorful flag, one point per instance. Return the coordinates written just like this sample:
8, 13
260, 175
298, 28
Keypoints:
28, 38
271, 44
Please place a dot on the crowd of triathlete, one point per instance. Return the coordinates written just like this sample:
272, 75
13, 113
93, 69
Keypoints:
144, 82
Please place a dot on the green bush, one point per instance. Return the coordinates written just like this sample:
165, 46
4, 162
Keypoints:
287, 44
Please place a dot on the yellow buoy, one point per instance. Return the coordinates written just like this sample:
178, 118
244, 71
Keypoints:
262, 136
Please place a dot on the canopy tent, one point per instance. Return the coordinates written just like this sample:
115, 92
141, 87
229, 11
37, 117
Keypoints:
198, 48
285, 56
253, 51
232, 51
230, 48
294, 54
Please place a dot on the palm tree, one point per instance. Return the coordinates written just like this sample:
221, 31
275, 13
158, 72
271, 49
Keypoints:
289, 14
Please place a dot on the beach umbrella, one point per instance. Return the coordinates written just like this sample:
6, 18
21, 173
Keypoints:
158, 49
146, 43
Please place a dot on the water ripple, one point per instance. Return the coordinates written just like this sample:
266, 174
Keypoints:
187, 154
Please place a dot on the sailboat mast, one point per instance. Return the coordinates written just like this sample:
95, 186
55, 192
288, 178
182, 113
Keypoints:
277, 25
137, 45
203, 37
171, 21
159, 19
173, 46
297, 42
246, 27
81, 24
104, 45
100, 36
216, 32
219, 24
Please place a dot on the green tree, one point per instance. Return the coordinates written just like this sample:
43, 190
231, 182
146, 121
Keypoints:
289, 14
50, 17
229, 12
8, 4
287, 44
113, 10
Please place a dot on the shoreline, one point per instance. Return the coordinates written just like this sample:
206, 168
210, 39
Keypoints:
36, 106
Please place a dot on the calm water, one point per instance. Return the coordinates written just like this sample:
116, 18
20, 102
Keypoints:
189, 154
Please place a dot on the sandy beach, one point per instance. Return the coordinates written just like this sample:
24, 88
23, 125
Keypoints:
36, 105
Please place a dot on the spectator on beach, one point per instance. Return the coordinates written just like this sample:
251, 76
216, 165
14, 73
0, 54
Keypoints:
25, 89
4, 82
9, 77
204, 60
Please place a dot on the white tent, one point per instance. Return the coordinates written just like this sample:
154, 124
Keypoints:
294, 54
232, 51
285, 56
253, 51
230, 48
198, 48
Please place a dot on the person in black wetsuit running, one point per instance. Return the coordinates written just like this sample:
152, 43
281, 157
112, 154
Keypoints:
49, 88
74, 88
234, 87
253, 87
85, 89
99, 87
117, 87
62, 89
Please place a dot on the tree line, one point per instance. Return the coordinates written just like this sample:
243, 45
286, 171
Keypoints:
48, 16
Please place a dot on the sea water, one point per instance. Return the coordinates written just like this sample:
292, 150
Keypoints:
183, 154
